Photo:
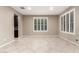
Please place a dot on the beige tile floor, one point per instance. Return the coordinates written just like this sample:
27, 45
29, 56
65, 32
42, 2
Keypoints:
40, 44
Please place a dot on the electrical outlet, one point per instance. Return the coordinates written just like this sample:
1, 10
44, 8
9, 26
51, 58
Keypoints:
76, 40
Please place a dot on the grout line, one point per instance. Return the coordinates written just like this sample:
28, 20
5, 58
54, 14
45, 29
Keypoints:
70, 41
6, 43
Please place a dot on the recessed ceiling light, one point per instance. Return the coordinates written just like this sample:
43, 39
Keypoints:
51, 8
29, 8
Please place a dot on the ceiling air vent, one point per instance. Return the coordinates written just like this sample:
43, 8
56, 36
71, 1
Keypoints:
22, 7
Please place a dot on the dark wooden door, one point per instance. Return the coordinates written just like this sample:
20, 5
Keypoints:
15, 26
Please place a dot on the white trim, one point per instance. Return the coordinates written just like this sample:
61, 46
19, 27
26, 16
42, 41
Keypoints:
74, 21
65, 22
68, 32
6, 43
40, 26
69, 21
69, 41
60, 23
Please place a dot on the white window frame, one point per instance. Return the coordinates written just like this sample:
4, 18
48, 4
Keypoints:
40, 26
69, 21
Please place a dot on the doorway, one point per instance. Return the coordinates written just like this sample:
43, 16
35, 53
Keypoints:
15, 26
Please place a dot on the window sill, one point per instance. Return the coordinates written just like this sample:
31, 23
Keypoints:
67, 32
40, 31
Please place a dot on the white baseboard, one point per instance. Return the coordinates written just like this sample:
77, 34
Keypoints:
70, 41
6, 43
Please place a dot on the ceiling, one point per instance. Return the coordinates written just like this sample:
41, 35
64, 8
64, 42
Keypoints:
40, 10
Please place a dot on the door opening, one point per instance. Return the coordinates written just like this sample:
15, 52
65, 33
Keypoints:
15, 26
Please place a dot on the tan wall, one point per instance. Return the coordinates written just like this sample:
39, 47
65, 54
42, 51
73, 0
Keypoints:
73, 37
7, 24
52, 25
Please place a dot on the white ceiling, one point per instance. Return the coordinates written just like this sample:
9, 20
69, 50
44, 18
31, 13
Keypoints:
40, 10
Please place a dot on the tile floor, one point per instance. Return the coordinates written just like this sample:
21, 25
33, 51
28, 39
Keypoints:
40, 44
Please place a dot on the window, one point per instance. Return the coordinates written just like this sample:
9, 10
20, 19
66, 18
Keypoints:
40, 24
64, 23
68, 21
62, 27
71, 21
